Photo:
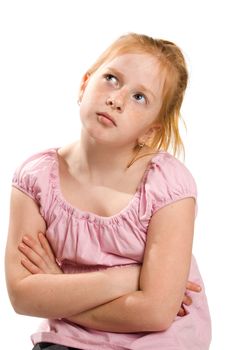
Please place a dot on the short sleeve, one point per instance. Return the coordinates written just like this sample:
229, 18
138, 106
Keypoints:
32, 177
24, 179
170, 180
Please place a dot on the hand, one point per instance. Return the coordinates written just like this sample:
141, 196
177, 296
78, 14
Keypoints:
38, 255
187, 299
39, 258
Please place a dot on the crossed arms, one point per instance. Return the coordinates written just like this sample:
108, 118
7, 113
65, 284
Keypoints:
126, 299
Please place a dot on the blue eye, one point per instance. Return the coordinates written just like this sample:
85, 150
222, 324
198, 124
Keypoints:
140, 97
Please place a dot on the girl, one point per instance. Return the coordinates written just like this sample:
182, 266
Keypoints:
101, 231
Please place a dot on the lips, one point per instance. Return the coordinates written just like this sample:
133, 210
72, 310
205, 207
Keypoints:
106, 115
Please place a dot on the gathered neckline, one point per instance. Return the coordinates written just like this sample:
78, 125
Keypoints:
85, 214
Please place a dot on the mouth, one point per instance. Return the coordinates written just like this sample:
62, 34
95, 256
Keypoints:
106, 115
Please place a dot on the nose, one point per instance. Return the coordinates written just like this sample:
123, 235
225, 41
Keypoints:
116, 102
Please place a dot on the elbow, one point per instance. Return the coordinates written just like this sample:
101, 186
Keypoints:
158, 314
17, 308
17, 299
157, 320
16, 302
162, 324
158, 324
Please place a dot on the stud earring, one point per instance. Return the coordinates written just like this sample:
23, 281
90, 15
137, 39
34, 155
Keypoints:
140, 144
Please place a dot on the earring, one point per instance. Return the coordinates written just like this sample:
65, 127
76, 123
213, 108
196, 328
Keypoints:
140, 144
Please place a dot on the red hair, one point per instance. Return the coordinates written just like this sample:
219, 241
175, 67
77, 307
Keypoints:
176, 76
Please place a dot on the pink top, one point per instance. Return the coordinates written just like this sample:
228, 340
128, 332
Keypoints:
84, 241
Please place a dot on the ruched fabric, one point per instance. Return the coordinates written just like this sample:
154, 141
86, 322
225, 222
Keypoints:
84, 241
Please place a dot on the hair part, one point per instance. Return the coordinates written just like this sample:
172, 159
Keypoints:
173, 63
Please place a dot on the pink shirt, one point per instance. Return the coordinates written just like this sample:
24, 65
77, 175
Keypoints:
84, 241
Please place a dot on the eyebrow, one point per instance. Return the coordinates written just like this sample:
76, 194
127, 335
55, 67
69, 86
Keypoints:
140, 87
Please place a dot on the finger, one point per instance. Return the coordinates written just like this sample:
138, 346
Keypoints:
193, 286
46, 246
51, 263
35, 245
31, 255
181, 312
30, 266
187, 300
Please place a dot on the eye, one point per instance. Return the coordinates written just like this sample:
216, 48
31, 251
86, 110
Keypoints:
140, 97
110, 77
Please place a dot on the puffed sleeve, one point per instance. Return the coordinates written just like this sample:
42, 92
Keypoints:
170, 180
25, 178
32, 177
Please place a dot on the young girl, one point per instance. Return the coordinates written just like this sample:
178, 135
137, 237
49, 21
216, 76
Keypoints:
101, 231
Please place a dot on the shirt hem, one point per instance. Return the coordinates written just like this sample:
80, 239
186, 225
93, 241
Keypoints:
73, 342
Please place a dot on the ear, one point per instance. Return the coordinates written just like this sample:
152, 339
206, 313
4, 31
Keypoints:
83, 85
148, 137
154, 128
150, 133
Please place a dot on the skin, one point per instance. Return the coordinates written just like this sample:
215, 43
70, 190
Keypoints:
133, 106
54, 295
38, 258
105, 149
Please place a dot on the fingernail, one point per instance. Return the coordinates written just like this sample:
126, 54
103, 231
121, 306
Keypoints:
25, 238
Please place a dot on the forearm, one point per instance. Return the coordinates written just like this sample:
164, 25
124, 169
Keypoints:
127, 314
63, 295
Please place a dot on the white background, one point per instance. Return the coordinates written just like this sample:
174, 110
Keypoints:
46, 46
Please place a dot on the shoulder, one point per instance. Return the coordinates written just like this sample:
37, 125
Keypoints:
32, 175
36, 163
172, 170
170, 180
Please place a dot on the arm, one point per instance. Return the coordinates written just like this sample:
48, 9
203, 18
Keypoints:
94, 318
55, 295
115, 315
167, 255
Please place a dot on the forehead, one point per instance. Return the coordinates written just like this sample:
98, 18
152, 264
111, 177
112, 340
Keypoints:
140, 68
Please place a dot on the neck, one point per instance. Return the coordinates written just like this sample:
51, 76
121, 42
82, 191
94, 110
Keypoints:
97, 159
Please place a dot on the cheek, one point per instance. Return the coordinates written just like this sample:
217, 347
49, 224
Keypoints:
88, 93
95, 90
153, 115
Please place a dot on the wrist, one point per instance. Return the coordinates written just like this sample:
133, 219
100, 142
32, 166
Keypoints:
125, 278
